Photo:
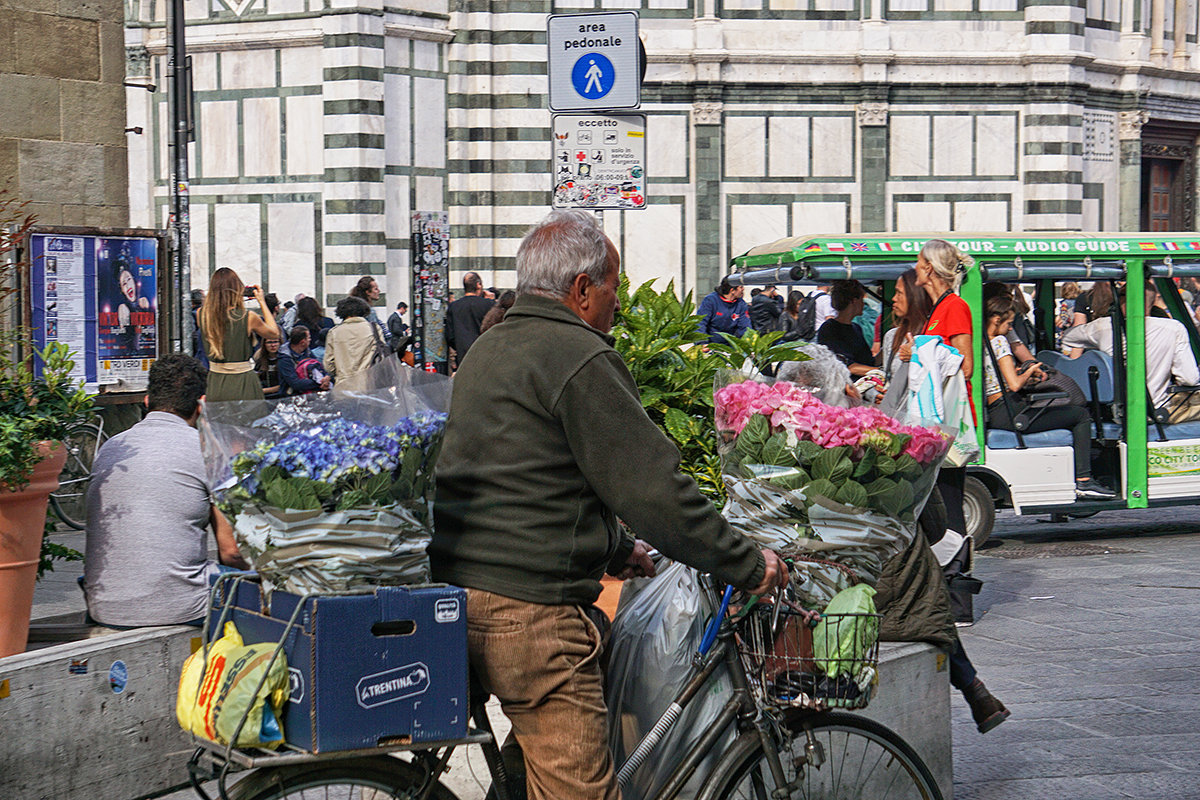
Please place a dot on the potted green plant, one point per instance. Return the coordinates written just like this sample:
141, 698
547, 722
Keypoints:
37, 407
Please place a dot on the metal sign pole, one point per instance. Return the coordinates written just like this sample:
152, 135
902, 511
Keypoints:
180, 283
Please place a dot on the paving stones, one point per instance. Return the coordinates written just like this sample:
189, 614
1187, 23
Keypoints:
1101, 673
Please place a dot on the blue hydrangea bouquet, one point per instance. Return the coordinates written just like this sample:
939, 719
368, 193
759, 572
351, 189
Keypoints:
341, 464
333, 491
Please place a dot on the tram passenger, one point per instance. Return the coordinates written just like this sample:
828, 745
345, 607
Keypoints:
1064, 313
1018, 344
1093, 304
1168, 356
840, 333
1000, 313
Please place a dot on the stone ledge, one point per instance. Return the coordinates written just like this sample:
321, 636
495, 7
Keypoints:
70, 735
913, 699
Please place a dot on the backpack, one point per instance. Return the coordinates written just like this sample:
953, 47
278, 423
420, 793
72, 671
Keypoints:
380, 350
310, 369
806, 317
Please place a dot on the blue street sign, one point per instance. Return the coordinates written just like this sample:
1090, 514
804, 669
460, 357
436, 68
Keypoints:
593, 76
593, 61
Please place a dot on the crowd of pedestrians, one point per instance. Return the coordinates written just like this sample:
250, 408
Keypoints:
267, 354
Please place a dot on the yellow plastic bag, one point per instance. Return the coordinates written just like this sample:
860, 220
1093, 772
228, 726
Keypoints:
227, 691
193, 701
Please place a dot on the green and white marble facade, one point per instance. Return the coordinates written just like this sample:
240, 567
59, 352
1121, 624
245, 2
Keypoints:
324, 122
320, 124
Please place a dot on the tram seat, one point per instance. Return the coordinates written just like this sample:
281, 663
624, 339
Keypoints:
998, 439
1180, 430
1078, 370
1049, 358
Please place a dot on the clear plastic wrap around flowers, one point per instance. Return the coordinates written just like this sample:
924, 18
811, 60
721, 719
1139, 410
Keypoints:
817, 481
332, 490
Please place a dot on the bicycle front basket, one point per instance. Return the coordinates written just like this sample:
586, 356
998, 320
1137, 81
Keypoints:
832, 665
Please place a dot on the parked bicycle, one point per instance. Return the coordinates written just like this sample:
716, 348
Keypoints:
70, 501
788, 743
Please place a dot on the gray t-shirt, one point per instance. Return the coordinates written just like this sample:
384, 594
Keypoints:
147, 533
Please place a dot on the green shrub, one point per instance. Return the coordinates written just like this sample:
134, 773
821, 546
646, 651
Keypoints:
659, 337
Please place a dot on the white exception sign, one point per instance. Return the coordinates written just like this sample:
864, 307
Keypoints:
599, 161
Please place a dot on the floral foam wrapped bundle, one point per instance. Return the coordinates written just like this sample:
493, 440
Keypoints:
822, 483
331, 491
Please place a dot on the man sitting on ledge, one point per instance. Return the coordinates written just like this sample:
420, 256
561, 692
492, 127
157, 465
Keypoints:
148, 509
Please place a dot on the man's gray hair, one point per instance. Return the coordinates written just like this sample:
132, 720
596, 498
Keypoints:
563, 245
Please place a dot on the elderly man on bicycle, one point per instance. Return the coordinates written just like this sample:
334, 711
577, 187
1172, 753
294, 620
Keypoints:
546, 447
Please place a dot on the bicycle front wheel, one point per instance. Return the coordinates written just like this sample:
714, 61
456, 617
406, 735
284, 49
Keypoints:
373, 778
827, 756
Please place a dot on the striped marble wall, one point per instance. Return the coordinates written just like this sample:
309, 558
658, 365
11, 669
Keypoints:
320, 124
324, 123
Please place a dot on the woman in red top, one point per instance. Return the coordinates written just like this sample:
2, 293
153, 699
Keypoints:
940, 268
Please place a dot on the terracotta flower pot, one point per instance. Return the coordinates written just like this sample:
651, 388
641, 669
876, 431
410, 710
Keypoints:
22, 521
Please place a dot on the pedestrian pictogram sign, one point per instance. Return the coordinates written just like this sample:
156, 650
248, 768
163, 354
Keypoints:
594, 61
593, 76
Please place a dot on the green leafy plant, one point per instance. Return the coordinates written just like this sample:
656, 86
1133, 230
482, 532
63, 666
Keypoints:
658, 335
52, 551
35, 409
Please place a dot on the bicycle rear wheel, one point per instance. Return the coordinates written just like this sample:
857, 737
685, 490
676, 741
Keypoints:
373, 778
860, 760
70, 500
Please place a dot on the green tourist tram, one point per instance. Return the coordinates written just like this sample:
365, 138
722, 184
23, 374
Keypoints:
1149, 462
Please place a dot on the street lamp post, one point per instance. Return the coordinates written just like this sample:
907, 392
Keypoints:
179, 97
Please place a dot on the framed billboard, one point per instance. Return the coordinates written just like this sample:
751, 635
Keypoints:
98, 292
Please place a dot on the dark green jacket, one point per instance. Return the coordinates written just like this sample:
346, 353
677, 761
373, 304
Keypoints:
911, 593
546, 446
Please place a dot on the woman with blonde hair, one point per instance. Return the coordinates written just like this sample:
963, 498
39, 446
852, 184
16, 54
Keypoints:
229, 328
940, 269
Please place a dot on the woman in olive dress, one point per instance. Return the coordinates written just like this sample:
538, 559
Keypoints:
229, 328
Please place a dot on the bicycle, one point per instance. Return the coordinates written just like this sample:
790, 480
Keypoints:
789, 743
69, 502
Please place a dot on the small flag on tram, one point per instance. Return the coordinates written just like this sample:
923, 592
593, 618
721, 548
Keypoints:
884, 246
1170, 246
836, 247
1193, 245
813, 248
859, 247
1146, 245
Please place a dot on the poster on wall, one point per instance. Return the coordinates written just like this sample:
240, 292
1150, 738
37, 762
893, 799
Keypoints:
97, 294
430, 288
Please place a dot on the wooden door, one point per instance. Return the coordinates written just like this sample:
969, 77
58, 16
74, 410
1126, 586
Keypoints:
1161, 190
